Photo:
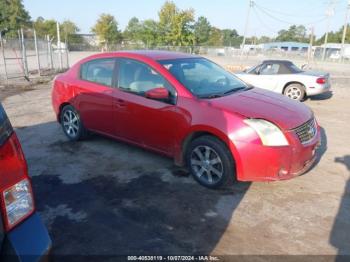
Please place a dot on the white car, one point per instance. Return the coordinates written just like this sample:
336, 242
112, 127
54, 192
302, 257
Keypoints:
284, 77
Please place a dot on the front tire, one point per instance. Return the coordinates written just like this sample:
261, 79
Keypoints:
71, 124
295, 92
210, 162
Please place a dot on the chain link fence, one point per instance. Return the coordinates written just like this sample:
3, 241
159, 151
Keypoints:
27, 57
315, 54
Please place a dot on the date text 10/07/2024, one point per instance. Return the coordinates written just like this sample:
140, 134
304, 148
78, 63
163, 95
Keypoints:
173, 258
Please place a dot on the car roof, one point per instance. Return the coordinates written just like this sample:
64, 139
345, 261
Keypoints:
276, 61
154, 54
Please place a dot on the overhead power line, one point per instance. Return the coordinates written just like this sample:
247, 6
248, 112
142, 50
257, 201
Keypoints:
288, 14
263, 23
285, 21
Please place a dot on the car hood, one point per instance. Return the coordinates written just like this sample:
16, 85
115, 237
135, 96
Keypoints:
259, 103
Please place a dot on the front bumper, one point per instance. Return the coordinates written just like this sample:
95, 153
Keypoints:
255, 162
28, 242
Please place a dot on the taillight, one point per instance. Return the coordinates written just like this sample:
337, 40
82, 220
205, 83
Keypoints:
5, 126
17, 203
321, 80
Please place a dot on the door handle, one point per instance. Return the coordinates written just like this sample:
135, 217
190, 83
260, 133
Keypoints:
120, 103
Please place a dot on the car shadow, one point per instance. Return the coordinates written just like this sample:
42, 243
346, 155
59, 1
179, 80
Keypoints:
322, 149
323, 96
106, 198
340, 234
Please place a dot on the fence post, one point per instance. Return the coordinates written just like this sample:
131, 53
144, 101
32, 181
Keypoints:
24, 55
49, 50
67, 54
3, 55
59, 46
37, 51
19, 40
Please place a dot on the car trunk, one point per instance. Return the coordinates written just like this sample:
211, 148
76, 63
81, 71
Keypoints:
315, 73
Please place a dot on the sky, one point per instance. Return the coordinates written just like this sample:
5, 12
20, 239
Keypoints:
267, 17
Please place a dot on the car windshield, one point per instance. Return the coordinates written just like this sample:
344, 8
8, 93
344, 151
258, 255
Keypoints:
203, 78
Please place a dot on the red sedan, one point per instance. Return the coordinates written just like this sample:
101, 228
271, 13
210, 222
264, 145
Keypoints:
191, 109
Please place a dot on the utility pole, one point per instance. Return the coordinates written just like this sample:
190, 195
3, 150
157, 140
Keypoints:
329, 14
344, 31
59, 46
310, 45
251, 4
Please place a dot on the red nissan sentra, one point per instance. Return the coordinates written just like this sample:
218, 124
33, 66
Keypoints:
191, 109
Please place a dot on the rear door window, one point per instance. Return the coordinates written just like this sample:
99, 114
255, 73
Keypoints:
99, 71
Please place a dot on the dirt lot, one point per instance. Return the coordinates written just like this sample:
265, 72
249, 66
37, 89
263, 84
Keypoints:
106, 197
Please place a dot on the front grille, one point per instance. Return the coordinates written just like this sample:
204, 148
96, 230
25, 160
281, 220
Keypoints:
307, 131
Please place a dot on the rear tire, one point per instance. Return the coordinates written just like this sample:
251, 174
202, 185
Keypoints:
71, 124
295, 91
210, 162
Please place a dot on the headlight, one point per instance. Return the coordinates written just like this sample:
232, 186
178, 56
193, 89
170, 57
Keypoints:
18, 202
269, 133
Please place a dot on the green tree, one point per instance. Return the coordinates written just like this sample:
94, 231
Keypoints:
335, 37
215, 37
149, 34
293, 33
13, 16
202, 30
106, 28
45, 27
265, 39
230, 37
69, 31
132, 30
175, 25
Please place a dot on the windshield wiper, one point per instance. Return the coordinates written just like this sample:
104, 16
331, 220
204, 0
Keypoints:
234, 90
215, 95
210, 96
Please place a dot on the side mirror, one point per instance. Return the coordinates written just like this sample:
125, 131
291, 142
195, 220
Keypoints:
158, 93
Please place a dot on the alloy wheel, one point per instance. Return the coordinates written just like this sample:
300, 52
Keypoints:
206, 164
71, 123
294, 93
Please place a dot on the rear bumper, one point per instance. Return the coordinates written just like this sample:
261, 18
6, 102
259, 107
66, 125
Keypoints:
318, 89
28, 242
